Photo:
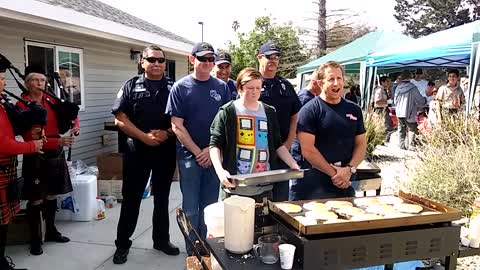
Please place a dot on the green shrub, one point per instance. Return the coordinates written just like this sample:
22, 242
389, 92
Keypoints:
375, 131
448, 171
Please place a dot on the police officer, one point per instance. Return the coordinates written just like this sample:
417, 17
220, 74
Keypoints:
140, 113
222, 71
279, 93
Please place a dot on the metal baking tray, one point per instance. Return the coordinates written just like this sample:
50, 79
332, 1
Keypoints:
445, 214
267, 177
367, 167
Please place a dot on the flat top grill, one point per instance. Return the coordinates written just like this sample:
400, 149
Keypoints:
444, 214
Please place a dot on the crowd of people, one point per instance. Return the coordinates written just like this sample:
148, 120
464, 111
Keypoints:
418, 103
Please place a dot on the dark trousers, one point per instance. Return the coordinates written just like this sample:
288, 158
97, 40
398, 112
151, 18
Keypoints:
137, 166
317, 185
402, 126
387, 121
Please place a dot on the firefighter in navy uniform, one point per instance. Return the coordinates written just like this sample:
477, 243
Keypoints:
279, 93
140, 113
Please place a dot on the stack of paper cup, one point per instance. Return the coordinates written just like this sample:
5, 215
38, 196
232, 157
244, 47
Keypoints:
287, 253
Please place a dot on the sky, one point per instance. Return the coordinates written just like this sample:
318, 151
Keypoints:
182, 16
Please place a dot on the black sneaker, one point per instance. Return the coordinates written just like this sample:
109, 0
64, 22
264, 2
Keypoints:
120, 256
56, 237
167, 248
36, 248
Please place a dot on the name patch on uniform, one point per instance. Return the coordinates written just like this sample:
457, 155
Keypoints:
351, 116
139, 90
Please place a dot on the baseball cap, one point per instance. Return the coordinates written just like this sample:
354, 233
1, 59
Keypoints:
269, 48
202, 48
222, 58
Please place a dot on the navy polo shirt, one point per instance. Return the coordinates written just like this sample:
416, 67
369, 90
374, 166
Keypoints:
305, 96
232, 85
335, 127
279, 93
197, 103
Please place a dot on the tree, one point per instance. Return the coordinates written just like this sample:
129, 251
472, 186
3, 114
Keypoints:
244, 52
423, 17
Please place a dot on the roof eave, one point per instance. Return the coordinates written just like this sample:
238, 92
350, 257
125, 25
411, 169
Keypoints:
70, 20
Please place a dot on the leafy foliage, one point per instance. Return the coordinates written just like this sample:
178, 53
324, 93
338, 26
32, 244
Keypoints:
423, 17
375, 131
244, 52
449, 162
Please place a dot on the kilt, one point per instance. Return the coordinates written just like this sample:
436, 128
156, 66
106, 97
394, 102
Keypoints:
45, 174
9, 203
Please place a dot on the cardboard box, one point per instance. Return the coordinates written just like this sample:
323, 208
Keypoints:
110, 166
110, 174
18, 230
110, 188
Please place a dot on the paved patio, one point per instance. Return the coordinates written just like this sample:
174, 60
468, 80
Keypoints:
91, 246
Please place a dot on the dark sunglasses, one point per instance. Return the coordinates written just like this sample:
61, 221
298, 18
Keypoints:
210, 59
272, 56
160, 60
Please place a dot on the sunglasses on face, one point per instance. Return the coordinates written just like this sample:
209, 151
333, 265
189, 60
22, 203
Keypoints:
152, 60
210, 59
272, 57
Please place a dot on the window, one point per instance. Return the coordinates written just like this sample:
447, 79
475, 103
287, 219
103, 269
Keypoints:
67, 61
170, 69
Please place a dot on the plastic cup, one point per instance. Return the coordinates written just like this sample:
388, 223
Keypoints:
287, 253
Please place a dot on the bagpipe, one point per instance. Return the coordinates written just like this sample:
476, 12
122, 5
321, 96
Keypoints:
66, 112
21, 120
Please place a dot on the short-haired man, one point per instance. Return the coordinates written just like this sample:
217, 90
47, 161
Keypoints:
332, 136
421, 83
380, 101
279, 93
193, 104
407, 100
450, 97
223, 69
140, 113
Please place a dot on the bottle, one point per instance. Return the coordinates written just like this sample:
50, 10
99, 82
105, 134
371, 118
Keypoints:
100, 209
474, 224
110, 201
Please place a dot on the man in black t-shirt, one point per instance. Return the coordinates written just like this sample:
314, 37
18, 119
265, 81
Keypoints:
279, 93
332, 138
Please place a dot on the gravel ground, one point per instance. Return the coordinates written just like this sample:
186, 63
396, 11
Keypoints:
397, 165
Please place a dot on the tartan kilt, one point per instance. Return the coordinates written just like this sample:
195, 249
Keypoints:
9, 203
45, 174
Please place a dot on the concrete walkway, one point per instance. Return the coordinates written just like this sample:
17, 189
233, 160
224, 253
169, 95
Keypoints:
92, 244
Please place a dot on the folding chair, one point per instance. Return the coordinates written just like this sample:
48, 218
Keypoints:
201, 251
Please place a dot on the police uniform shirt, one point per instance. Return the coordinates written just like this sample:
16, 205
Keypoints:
335, 127
279, 93
144, 102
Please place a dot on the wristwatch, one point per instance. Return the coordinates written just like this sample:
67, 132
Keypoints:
353, 169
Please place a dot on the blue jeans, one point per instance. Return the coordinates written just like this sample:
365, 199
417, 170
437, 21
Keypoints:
199, 188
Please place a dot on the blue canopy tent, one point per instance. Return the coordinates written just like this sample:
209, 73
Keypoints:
453, 47
352, 56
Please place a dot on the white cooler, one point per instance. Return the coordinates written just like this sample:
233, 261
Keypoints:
84, 194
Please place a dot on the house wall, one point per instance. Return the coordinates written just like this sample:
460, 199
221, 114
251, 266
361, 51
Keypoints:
107, 65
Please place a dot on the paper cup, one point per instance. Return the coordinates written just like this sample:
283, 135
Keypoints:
287, 253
